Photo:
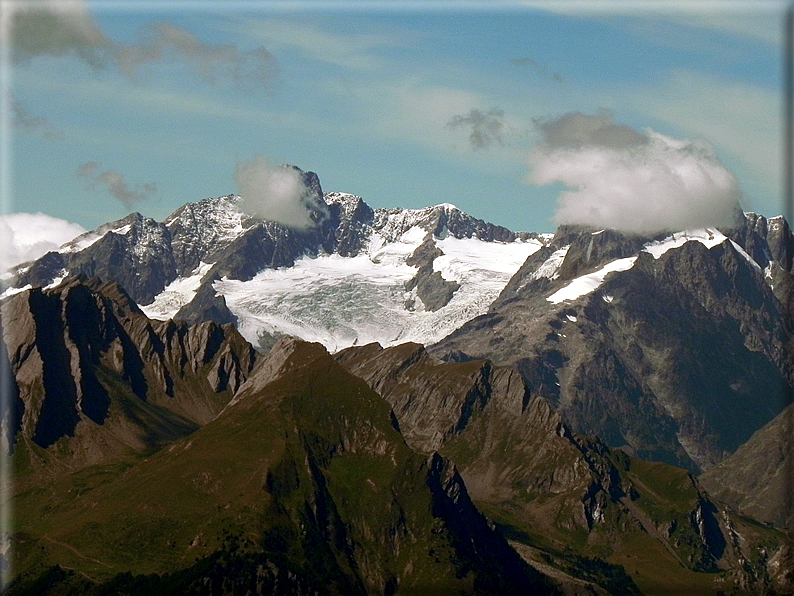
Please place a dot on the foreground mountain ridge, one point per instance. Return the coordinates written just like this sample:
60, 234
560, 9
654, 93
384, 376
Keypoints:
300, 484
92, 375
307, 465
312, 465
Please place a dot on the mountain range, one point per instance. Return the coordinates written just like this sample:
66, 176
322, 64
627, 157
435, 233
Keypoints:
400, 401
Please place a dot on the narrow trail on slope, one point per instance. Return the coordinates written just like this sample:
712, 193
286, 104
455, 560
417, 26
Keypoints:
650, 528
77, 552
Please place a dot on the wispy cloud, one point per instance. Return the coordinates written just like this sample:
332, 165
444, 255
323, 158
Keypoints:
212, 62
113, 182
486, 127
636, 182
23, 120
753, 22
55, 28
529, 62
349, 49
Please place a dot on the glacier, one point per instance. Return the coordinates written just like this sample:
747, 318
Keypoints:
342, 301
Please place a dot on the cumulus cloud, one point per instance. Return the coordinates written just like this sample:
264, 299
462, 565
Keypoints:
28, 236
113, 182
56, 28
636, 182
212, 62
277, 194
486, 128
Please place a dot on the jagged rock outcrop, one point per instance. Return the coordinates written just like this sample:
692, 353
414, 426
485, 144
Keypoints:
134, 251
355, 217
199, 231
93, 371
433, 290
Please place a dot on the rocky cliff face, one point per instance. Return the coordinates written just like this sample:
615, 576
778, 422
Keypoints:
659, 351
97, 377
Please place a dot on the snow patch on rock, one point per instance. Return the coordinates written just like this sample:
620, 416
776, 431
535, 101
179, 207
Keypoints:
586, 284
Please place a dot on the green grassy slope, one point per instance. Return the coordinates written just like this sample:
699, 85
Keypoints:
304, 482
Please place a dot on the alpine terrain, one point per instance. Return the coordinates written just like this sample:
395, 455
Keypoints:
399, 401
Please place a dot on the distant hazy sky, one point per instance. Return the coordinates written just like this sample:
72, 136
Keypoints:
144, 106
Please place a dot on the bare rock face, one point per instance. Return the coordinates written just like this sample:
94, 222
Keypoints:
134, 251
93, 371
431, 287
663, 358
591, 249
355, 219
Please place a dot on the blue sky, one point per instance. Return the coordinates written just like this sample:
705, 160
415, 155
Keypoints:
403, 104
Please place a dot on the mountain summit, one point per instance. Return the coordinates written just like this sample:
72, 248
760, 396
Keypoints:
359, 275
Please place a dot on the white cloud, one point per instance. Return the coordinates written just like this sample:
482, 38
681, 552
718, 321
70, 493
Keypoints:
28, 236
744, 121
642, 183
277, 194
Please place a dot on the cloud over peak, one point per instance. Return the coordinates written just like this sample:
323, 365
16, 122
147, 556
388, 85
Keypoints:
576, 129
28, 236
637, 182
277, 194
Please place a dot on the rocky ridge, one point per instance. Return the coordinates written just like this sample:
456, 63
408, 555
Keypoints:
94, 375
145, 256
